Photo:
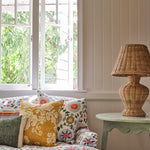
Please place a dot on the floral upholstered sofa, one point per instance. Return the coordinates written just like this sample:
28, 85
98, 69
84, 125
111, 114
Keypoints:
72, 132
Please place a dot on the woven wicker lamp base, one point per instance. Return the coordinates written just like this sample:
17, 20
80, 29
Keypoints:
133, 96
134, 62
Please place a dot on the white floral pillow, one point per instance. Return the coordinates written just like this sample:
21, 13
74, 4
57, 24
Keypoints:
13, 103
69, 117
10, 107
87, 138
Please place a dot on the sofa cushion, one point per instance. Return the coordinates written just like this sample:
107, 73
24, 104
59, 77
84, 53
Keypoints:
4, 114
13, 103
43, 98
86, 137
69, 117
42, 124
10, 107
60, 146
11, 131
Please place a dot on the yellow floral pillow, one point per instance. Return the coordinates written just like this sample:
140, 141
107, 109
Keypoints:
42, 122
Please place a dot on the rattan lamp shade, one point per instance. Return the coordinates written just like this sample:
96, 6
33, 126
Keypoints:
133, 59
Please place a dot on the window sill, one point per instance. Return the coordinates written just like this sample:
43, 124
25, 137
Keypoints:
69, 93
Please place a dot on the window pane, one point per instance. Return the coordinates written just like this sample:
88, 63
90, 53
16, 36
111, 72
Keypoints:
14, 55
63, 8
56, 44
8, 11
75, 40
15, 42
54, 47
59, 44
50, 7
23, 12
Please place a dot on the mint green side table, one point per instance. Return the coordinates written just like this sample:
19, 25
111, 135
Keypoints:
134, 125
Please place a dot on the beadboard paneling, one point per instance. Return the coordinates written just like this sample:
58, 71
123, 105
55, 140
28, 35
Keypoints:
98, 57
88, 37
107, 48
108, 25
115, 37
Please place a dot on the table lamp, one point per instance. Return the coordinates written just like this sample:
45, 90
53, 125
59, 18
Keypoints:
133, 61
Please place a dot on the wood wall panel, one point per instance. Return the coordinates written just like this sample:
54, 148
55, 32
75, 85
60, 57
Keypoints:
98, 58
124, 29
115, 37
88, 52
142, 22
107, 47
133, 21
108, 24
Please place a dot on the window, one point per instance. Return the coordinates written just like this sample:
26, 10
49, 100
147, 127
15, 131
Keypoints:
39, 48
15, 50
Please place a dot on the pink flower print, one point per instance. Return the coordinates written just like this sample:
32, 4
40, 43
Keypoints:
43, 101
74, 106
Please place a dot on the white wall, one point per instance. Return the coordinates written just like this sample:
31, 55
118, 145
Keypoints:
108, 24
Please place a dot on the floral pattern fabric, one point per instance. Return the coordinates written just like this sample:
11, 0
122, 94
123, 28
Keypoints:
70, 116
41, 126
44, 98
10, 107
60, 146
86, 137
13, 103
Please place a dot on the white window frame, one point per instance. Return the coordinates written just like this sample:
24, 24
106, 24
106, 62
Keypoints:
80, 45
17, 86
35, 59
69, 83
35, 45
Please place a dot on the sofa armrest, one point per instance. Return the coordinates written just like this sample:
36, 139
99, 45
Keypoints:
86, 137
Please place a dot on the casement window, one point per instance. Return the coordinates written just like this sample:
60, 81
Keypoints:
39, 44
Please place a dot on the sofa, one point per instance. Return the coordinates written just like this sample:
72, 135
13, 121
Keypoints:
72, 131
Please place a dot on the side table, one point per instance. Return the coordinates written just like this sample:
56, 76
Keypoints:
125, 124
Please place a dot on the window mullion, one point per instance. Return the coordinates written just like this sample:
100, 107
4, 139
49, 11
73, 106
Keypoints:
42, 44
57, 11
80, 44
70, 31
35, 45
15, 11
30, 39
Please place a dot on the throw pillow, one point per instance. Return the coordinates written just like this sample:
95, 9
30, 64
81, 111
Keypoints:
10, 107
86, 137
70, 116
8, 114
11, 131
13, 103
42, 125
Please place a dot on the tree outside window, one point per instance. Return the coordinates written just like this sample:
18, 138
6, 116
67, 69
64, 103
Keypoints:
60, 42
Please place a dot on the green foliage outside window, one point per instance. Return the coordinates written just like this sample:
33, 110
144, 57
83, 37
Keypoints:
15, 56
53, 48
15, 53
